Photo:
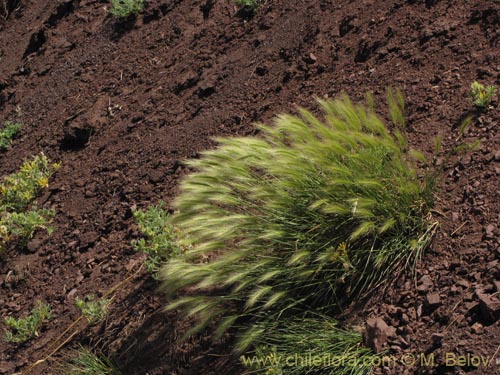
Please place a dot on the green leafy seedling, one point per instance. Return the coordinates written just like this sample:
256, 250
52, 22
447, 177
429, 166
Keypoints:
92, 309
482, 95
8, 132
249, 4
126, 8
161, 239
23, 329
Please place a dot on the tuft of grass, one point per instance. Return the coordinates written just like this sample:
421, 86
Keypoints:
482, 95
305, 218
23, 329
93, 310
311, 346
126, 8
85, 362
161, 240
17, 191
8, 132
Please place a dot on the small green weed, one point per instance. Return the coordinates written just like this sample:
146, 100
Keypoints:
126, 8
23, 329
92, 309
249, 4
19, 189
8, 132
161, 240
482, 95
85, 362
23, 225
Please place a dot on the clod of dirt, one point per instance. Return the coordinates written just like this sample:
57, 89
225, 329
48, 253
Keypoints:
497, 285
489, 232
33, 245
489, 306
63, 10
425, 283
207, 87
477, 328
186, 81
497, 156
206, 8
76, 136
36, 42
376, 334
432, 302
88, 239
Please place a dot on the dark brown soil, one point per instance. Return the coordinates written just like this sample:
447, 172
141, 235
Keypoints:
122, 104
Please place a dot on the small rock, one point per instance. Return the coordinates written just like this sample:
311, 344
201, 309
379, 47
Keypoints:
71, 293
33, 245
376, 334
432, 302
489, 231
490, 308
311, 59
156, 176
497, 285
463, 283
497, 156
455, 217
404, 319
425, 283
437, 338
76, 135
477, 328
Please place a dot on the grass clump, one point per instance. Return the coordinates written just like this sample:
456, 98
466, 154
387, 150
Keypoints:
17, 191
126, 8
311, 346
482, 95
7, 133
302, 219
85, 362
93, 310
23, 329
161, 240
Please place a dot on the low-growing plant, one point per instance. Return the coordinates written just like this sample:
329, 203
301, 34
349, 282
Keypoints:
7, 133
311, 346
19, 189
94, 310
249, 4
126, 8
86, 362
301, 220
482, 95
22, 225
161, 240
23, 329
